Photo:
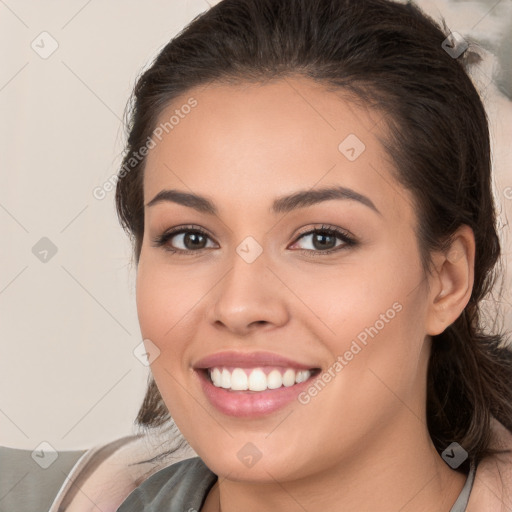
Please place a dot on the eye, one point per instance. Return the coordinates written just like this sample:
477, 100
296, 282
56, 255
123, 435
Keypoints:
324, 239
185, 239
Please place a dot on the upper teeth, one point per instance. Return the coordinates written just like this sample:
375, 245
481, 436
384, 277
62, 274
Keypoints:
256, 380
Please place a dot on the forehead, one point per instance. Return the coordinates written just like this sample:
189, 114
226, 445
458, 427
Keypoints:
245, 144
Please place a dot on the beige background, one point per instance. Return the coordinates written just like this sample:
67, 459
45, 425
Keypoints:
68, 375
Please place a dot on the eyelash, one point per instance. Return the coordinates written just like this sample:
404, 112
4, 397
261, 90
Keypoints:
348, 241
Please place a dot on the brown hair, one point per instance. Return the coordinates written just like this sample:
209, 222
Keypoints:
389, 56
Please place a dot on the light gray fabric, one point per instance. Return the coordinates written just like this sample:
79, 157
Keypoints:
462, 501
184, 486
27, 487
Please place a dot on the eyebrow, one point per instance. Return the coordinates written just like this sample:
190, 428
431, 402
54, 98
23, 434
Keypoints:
283, 204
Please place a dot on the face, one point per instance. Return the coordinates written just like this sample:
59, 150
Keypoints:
329, 288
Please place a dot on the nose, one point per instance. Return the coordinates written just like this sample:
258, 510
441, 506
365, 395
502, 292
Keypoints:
248, 297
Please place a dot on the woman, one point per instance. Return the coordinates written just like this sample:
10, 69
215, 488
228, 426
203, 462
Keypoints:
308, 188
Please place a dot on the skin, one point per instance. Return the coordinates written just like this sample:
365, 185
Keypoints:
362, 442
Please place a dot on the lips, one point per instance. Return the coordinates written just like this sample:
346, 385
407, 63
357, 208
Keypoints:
251, 400
249, 360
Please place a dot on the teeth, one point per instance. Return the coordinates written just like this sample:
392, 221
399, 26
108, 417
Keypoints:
239, 380
256, 379
216, 376
274, 380
302, 376
225, 379
289, 378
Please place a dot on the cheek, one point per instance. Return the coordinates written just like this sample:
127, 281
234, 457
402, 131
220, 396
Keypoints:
149, 296
162, 307
165, 302
374, 295
383, 362
376, 319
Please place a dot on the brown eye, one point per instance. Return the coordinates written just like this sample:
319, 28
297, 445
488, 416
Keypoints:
183, 240
326, 240
192, 240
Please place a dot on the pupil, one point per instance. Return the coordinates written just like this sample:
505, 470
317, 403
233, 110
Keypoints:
322, 243
193, 237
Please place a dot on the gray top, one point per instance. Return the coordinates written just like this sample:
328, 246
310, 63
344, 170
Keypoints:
183, 487
180, 487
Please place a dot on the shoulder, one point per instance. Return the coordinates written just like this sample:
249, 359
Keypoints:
106, 474
181, 486
492, 487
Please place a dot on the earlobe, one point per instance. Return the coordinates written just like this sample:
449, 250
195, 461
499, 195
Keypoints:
452, 281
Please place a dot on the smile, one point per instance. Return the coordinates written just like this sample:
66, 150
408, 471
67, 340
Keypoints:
252, 384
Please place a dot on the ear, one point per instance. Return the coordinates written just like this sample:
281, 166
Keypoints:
451, 282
